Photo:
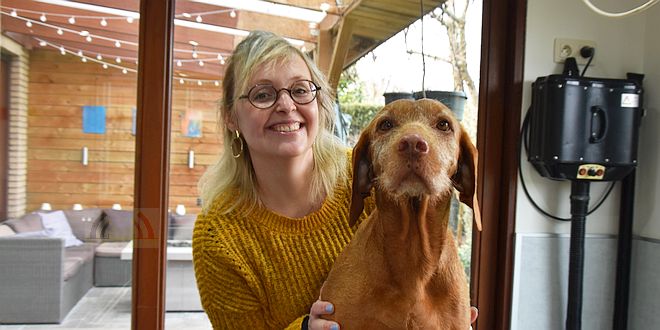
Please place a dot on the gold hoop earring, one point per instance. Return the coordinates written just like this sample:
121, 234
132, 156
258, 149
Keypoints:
234, 148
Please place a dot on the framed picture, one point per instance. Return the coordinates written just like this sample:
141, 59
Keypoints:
191, 124
93, 119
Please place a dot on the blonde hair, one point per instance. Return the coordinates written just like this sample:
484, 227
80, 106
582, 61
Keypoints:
227, 173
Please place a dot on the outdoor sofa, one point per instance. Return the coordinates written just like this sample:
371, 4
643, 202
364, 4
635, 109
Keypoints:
43, 277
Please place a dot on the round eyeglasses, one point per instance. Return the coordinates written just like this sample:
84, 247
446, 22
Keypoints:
264, 96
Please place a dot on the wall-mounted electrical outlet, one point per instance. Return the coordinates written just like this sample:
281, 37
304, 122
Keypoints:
565, 48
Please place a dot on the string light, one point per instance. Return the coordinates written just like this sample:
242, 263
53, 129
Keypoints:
84, 59
201, 63
181, 81
72, 20
99, 57
84, 33
42, 43
199, 82
28, 24
105, 66
88, 38
60, 32
13, 13
124, 71
118, 60
232, 14
198, 19
129, 20
216, 83
43, 18
104, 22
178, 63
117, 43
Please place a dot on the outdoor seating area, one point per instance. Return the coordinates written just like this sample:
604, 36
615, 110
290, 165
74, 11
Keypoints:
51, 260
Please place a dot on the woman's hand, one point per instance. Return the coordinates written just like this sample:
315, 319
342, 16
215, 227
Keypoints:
316, 322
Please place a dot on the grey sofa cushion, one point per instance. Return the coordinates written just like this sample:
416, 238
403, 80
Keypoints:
84, 252
181, 226
86, 224
71, 267
110, 249
119, 225
26, 223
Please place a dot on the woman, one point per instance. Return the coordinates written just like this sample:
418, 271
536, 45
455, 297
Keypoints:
275, 205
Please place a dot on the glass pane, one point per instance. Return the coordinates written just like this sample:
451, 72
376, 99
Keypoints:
206, 32
69, 98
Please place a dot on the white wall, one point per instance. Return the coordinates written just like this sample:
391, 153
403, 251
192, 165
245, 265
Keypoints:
541, 259
619, 49
647, 195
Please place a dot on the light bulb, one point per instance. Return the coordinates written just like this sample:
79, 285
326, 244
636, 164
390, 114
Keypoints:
84, 33
28, 24
118, 60
124, 71
43, 18
42, 43
222, 61
105, 66
181, 81
325, 7
84, 59
194, 54
129, 19
62, 51
72, 20
99, 57
178, 63
80, 53
186, 15
104, 22
216, 83
13, 13
88, 38
60, 32
117, 44
199, 82
201, 63
232, 14
198, 19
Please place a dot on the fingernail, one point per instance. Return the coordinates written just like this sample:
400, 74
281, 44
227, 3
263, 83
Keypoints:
334, 327
329, 308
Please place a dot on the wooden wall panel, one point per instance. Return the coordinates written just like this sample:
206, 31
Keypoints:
58, 88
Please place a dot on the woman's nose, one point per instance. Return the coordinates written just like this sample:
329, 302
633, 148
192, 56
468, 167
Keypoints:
284, 101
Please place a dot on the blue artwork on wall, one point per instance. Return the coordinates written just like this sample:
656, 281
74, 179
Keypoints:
93, 119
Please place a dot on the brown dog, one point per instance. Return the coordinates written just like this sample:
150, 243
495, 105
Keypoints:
401, 270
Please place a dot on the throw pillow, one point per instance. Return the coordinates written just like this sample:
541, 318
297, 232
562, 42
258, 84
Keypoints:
56, 221
87, 224
6, 231
28, 222
119, 225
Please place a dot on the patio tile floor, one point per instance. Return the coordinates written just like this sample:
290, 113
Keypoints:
110, 308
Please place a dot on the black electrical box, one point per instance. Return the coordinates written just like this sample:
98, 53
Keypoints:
584, 128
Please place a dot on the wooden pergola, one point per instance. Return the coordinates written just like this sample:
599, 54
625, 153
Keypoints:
335, 33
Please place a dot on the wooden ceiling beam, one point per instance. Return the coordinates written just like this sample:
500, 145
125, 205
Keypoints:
341, 48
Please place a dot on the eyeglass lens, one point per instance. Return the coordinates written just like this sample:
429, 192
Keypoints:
264, 96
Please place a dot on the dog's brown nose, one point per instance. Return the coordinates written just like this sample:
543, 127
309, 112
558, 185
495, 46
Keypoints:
413, 143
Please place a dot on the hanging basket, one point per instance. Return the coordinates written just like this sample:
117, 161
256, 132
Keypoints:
454, 100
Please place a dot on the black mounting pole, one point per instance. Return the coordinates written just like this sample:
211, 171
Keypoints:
622, 288
579, 209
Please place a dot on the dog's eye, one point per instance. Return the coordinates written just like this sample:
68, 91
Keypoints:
385, 125
443, 125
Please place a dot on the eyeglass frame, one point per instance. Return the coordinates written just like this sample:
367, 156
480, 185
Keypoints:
277, 93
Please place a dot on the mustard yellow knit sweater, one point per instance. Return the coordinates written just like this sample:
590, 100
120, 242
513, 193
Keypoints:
265, 270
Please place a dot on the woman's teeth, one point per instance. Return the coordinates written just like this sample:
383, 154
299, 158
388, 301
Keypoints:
286, 127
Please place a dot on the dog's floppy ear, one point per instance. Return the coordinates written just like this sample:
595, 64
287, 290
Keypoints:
362, 176
465, 179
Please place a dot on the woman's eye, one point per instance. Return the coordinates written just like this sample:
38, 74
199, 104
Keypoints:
300, 91
385, 125
262, 95
443, 125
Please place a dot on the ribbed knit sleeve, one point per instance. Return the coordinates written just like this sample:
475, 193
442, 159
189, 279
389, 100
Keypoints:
263, 270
